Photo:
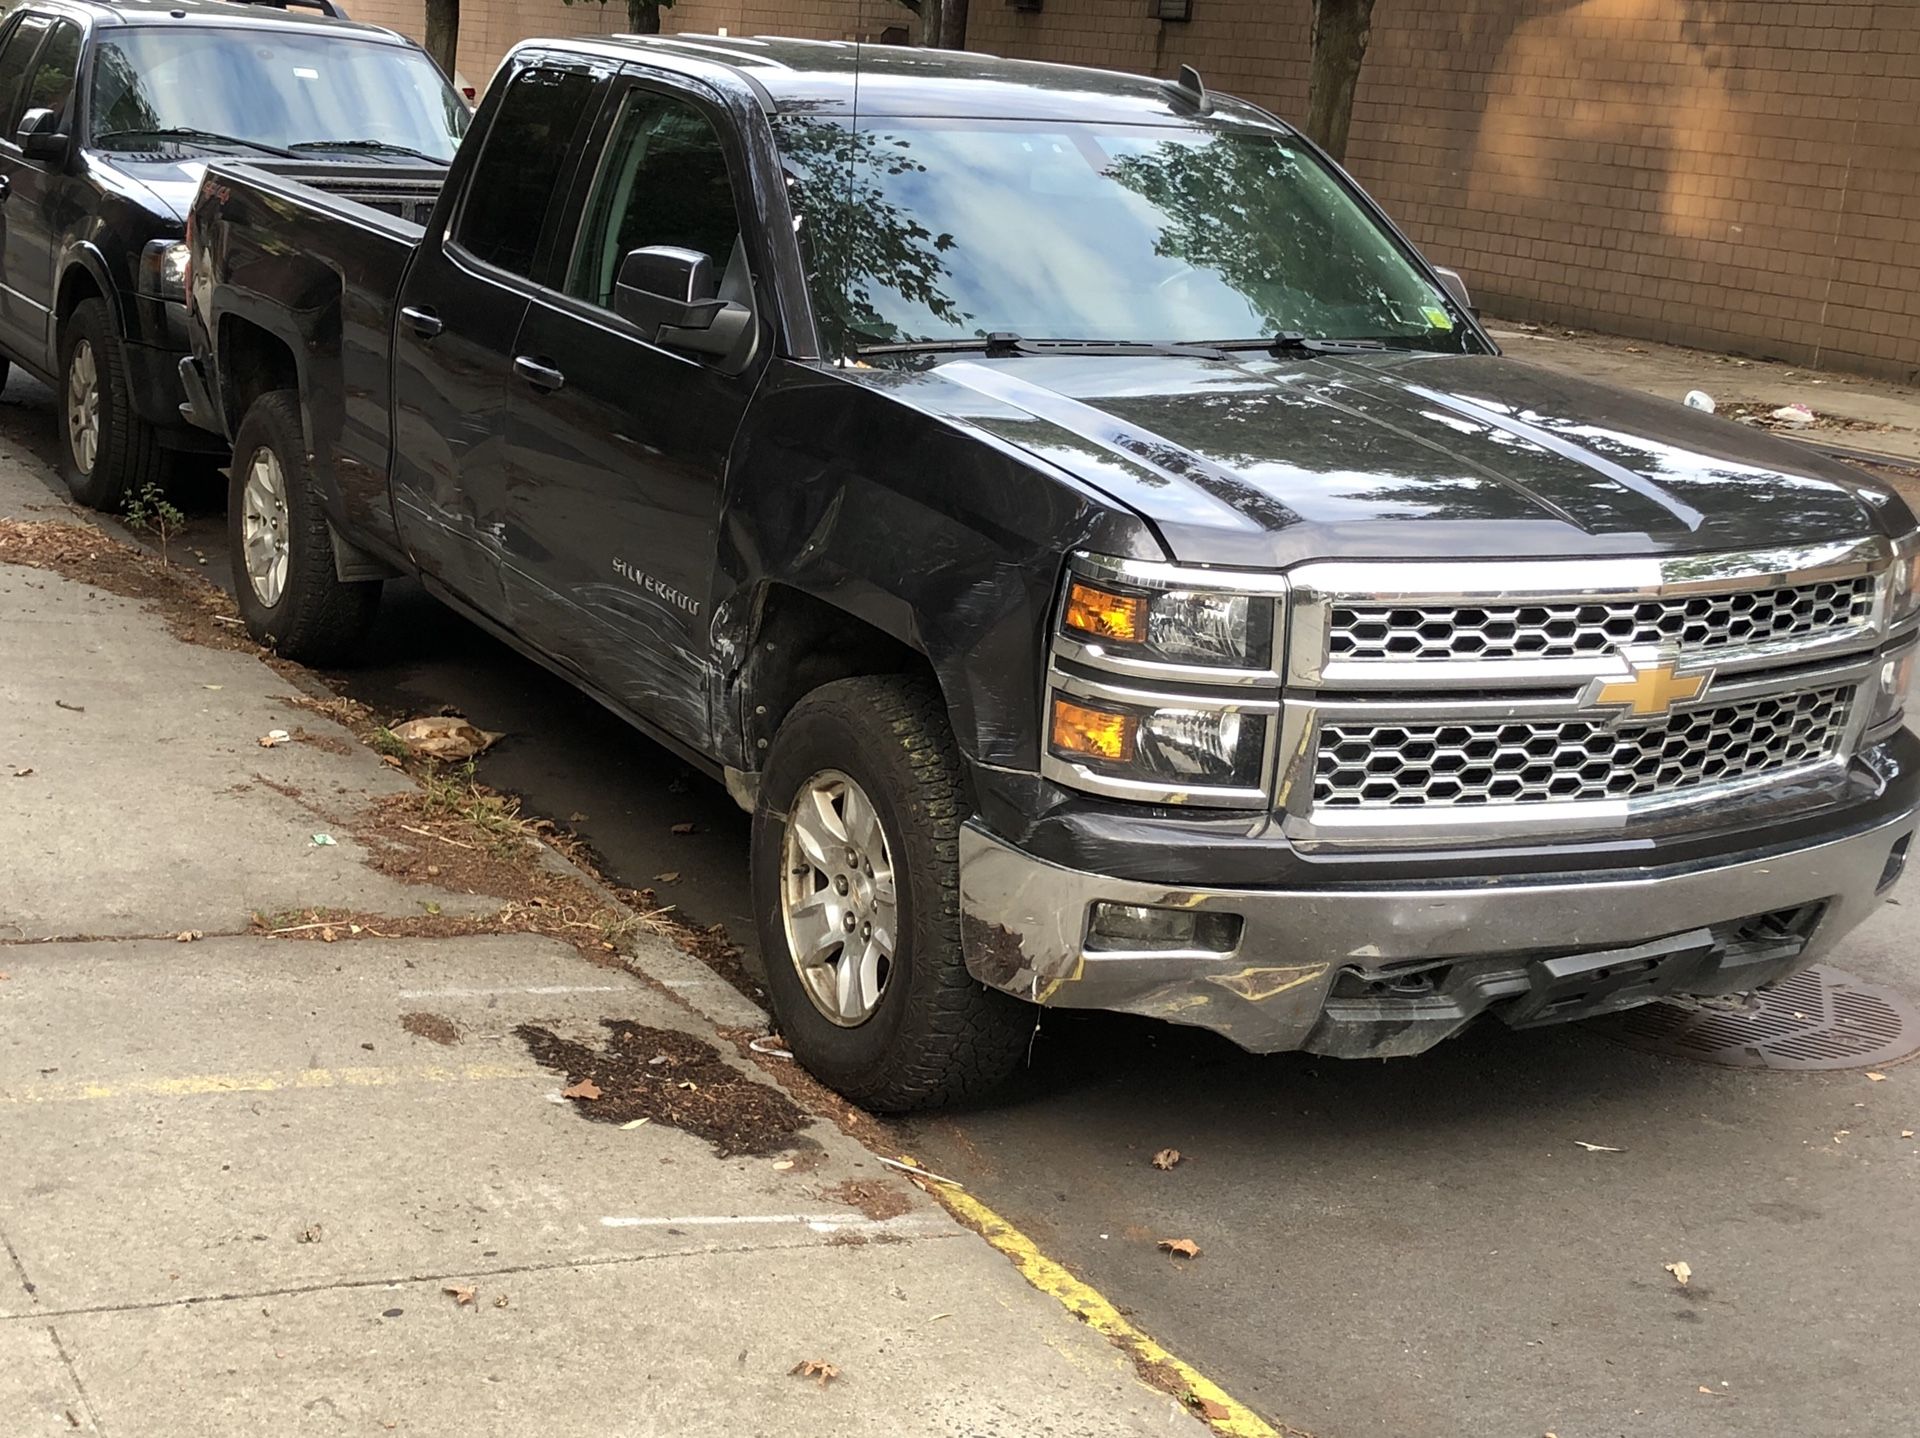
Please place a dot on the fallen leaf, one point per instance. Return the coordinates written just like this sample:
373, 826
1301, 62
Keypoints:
22, 773
186, 936
444, 736
1208, 1409
1682, 1272
1876, 1078
1166, 1158
1904, 1133
1597, 1147
1184, 1247
390, 761
814, 1368
327, 936
274, 738
461, 1294
783, 1165
636, 1123
683, 828
586, 1089
672, 876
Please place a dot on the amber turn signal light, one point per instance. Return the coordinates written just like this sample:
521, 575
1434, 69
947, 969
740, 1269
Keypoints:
1093, 733
1106, 616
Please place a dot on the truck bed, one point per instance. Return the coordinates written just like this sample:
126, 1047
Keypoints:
352, 228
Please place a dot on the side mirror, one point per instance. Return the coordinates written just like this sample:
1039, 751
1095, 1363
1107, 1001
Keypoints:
39, 137
1456, 287
668, 294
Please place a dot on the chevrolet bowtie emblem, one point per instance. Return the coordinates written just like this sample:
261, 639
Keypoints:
1653, 688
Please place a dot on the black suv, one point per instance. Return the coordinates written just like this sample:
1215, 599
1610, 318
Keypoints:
108, 115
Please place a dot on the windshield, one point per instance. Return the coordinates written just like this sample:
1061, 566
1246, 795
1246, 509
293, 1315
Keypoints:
159, 87
944, 230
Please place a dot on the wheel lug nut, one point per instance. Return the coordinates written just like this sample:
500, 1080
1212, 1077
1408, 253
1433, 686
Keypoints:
840, 883
866, 931
849, 923
853, 858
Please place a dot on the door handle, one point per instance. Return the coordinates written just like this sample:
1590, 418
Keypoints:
542, 377
425, 323
6, 187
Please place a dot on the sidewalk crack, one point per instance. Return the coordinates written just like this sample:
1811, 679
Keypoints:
86, 1400
19, 1267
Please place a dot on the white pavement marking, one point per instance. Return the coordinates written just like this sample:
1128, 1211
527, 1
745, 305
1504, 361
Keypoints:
925, 1224
542, 990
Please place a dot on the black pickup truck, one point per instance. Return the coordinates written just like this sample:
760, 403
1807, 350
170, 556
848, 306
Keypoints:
109, 111
1113, 566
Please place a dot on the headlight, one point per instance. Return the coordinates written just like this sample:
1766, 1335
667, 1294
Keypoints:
1906, 577
1160, 744
163, 270
1149, 617
1891, 683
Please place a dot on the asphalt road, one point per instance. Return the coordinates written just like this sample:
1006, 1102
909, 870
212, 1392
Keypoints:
1388, 1250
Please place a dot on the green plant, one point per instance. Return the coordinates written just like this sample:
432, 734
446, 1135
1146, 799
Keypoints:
149, 508
390, 744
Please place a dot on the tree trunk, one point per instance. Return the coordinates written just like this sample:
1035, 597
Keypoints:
443, 33
953, 25
1341, 29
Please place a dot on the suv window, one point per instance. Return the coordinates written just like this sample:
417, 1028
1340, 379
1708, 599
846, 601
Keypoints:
519, 171
15, 58
663, 182
54, 71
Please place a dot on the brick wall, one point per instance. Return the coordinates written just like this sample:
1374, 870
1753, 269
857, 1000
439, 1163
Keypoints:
1733, 174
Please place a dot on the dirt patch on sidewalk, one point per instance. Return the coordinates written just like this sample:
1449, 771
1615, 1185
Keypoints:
434, 1028
670, 1078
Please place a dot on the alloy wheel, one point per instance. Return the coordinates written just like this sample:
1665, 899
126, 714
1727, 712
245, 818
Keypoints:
264, 540
838, 901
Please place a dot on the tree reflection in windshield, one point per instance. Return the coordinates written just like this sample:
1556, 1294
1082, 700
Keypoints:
947, 230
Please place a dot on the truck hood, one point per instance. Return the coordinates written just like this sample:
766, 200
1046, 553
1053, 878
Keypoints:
1265, 462
171, 183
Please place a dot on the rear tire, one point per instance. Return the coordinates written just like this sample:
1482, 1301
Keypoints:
876, 757
290, 595
109, 454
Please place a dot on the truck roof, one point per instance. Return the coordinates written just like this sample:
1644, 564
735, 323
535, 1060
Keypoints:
818, 77
249, 14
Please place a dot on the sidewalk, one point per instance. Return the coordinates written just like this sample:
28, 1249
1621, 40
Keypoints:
1861, 414
261, 1183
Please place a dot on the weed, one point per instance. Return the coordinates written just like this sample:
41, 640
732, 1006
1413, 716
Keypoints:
149, 508
385, 741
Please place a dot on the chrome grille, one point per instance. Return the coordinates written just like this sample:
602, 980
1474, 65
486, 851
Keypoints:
1573, 628
1540, 761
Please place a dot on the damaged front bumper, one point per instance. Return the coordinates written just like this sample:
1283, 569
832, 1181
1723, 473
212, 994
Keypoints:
1389, 970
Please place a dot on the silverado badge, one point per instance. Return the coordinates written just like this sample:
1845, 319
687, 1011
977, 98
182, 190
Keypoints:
1652, 686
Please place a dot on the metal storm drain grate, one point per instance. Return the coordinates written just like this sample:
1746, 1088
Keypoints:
1818, 1019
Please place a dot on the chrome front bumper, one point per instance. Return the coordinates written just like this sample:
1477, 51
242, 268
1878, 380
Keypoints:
1306, 961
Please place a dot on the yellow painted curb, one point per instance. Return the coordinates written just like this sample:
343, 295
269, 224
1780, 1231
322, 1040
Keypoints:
192, 1085
1205, 1398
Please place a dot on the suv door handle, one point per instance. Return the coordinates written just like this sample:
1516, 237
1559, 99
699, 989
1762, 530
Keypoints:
542, 377
425, 323
6, 187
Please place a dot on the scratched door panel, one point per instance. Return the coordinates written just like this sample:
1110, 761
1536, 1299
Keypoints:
613, 501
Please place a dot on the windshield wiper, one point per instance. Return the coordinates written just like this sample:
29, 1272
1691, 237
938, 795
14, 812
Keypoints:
380, 147
187, 132
1002, 344
1297, 344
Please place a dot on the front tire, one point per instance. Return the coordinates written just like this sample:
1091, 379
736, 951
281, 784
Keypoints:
110, 454
290, 594
856, 882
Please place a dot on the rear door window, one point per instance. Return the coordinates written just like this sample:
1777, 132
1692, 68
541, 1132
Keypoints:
520, 172
16, 58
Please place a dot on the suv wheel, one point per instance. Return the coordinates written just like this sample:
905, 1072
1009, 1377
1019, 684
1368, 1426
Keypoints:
290, 595
856, 882
110, 453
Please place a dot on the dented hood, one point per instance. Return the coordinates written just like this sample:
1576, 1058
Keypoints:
1261, 462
